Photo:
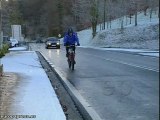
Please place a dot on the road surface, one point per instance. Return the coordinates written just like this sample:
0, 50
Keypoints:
118, 85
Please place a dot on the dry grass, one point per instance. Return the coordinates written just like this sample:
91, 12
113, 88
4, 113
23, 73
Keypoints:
7, 83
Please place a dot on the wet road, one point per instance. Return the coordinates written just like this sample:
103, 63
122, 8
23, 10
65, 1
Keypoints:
118, 85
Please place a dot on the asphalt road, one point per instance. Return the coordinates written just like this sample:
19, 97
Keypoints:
118, 85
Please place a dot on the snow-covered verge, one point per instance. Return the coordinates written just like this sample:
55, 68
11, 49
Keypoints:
34, 94
143, 36
17, 48
140, 37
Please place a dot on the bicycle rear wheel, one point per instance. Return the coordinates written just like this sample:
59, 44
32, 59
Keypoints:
72, 63
69, 63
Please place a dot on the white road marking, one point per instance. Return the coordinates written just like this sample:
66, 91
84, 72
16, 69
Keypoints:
125, 63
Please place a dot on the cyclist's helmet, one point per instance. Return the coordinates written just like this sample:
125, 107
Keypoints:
70, 30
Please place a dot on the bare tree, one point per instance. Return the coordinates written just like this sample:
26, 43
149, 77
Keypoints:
81, 12
152, 4
104, 18
94, 16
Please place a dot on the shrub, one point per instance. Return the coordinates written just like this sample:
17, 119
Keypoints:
1, 53
4, 50
6, 47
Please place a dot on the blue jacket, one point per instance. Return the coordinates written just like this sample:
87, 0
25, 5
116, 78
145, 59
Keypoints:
71, 40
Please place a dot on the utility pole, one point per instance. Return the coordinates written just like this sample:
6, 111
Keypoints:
104, 14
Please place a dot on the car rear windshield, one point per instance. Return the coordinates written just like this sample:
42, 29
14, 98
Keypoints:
13, 40
52, 39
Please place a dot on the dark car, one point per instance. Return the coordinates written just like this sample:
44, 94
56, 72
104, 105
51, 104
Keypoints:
52, 42
39, 41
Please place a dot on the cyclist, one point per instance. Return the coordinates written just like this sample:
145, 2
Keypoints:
70, 38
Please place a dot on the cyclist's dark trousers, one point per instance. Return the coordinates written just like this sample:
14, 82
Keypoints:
67, 48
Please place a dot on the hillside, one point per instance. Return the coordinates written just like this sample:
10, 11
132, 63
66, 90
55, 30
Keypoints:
143, 36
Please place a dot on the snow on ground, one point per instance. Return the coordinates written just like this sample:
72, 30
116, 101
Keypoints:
151, 54
34, 94
17, 48
140, 37
143, 36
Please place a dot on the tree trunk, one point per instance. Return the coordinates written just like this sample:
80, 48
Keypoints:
130, 16
126, 20
94, 28
104, 13
151, 14
121, 23
145, 12
136, 18
136, 14
94, 15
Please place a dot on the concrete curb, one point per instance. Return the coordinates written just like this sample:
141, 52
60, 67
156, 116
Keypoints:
86, 110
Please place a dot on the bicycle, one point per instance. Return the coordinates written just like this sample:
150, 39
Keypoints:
71, 56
